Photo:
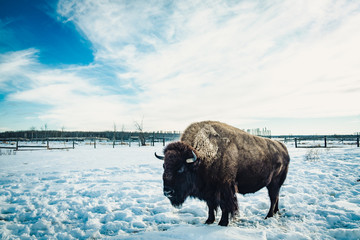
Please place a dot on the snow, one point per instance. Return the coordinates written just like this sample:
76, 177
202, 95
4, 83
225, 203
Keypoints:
116, 193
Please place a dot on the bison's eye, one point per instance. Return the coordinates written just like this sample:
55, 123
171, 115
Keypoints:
182, 169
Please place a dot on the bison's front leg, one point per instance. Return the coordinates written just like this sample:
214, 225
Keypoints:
211, 217
212, 201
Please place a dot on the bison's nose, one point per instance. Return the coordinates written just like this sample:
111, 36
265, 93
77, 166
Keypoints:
168, 192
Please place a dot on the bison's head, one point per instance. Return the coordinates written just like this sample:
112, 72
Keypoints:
180, 166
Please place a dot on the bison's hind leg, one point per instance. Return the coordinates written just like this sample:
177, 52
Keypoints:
273, 190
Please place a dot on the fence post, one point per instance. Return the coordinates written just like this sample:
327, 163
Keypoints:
357, 141
114, 143
73, 144
325, 141
94, 143
164, 141
17, 144
295, 142
153, 139
47, 144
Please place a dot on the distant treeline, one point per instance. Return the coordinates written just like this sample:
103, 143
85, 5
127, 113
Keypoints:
121, 135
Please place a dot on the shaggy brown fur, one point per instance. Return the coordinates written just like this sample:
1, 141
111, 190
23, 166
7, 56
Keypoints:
229, 161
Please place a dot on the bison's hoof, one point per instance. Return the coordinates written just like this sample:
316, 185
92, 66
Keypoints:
210, 221
223, 223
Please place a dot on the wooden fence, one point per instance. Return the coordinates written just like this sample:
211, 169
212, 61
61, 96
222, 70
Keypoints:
300, 141
314, 141
18, 144
19, 147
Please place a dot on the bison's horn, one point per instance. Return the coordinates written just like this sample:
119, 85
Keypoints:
193, 159
159, 157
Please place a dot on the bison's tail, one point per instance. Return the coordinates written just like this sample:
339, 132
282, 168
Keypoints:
229, 200
235, 207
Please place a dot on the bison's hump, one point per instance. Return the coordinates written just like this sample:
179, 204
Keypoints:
206, 139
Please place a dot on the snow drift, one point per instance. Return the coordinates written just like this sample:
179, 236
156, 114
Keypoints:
117, 193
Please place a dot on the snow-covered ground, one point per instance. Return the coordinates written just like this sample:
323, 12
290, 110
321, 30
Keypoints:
89, 193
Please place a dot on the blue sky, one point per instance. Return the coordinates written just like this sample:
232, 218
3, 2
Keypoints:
292, 67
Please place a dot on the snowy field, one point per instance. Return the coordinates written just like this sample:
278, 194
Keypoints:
107, 193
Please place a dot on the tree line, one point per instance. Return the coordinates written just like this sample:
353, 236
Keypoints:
111, 135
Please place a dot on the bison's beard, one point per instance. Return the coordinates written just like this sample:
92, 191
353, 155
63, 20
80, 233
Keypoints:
180, 191
177, 201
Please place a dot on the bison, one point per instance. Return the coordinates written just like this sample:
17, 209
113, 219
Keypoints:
213, 161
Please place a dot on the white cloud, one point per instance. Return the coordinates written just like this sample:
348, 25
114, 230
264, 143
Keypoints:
72, 100
12, 63
193, 60
264, 65
90, 113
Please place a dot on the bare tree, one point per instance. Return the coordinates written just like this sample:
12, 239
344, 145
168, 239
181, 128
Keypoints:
46, 128
114, 136
140, 128
32, 129
122, 133
62, 131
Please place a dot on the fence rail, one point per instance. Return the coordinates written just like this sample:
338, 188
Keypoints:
324, 141
17, 144
19, 147
300, 141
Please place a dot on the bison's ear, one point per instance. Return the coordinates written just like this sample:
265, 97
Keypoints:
193, 159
